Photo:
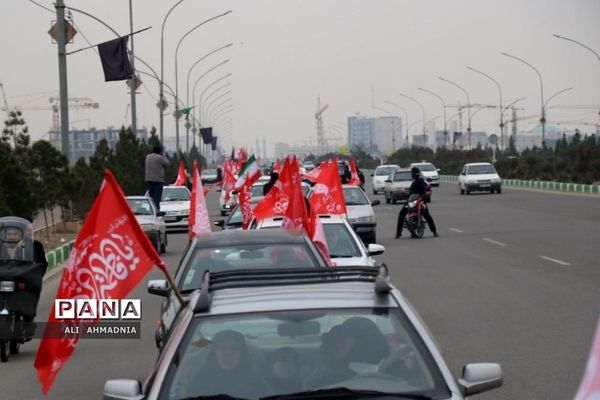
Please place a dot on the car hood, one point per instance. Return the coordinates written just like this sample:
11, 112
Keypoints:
174, 205
359, 211
429, 174
482, 177
145, 219
352, 262
379, 178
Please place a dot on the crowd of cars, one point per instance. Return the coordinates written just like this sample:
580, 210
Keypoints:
266, 315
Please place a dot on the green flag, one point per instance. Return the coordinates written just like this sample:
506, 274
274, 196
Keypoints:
185, 111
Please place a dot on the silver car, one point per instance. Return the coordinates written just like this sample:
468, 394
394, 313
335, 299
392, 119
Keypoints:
151, 221
360, 213
397, 185
334, 332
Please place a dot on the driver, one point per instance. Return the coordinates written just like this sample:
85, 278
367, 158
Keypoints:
419, 186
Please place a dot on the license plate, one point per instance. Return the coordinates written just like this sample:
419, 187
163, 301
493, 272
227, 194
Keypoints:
170, 219
485, 185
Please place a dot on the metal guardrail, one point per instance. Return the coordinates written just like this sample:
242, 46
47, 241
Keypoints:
543, 185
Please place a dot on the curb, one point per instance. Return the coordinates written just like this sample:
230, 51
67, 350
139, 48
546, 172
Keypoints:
56, 257
543, 185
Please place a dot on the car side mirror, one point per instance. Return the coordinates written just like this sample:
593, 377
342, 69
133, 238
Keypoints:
480, 377
372, 175
375, 249
219, 222
120, 389
439, 170
388, 181
375, 202
161, 213
159, 287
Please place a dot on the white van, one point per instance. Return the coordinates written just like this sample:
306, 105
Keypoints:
479, 177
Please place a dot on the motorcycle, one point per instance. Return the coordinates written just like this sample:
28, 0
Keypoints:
20, 285
414, 220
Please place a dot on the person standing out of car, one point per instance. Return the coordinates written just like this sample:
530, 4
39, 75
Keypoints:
156, 164
269, 185
419, 186
361, 176
347, 175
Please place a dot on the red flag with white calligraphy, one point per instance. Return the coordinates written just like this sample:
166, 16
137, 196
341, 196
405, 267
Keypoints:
276, 201
296, 214
181, 175
327, 196
111, 255
199, 221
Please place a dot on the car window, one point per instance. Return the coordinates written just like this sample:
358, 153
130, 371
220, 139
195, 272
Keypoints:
401, 176
140, 206
175, 194
354, 196
209, 172
383, 171
236, 217
381, 352
229, 257
425, 167
340, 242
481, 169
257, 190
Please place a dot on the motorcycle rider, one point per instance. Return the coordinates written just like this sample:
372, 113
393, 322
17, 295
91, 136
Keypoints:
419, 186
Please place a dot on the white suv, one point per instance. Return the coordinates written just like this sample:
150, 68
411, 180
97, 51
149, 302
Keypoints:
479, 177
429, 172
382, 173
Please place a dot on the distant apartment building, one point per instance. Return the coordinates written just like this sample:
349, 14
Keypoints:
380, 135
281, 150
420, 140
83, 142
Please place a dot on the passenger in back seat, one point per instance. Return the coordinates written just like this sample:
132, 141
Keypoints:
282, 369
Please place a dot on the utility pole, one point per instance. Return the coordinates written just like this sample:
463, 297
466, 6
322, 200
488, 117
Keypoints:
133, 80
62, 77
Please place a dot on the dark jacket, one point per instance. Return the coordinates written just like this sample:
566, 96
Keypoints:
419, 186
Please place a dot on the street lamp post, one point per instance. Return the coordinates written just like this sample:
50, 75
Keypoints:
62, 75
405, 117
198, 80
420, 105
204, 110
177, 74
161, 95
204, 91
593, 52
543, 118
132, 81
445, 118
468, 105
501, 113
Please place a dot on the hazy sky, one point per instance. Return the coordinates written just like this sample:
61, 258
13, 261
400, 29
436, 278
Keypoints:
286, 53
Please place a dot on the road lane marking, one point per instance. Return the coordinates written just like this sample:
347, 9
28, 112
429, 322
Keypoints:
456, 230
495, 242
554, 260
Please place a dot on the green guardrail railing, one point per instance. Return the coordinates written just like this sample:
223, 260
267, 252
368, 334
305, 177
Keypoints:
543, 185
59, 255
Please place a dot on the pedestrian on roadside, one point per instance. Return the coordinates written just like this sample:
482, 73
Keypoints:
156, 164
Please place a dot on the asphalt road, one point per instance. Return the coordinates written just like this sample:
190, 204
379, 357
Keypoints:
513, 278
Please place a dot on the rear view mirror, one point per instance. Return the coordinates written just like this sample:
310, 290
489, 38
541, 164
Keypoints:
122, 389
299, 328
159, 287
439, 170
375, 202
375, 249
481, 377
161, 213
372, 175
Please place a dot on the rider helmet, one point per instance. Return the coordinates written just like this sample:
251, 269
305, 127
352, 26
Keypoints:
415, 172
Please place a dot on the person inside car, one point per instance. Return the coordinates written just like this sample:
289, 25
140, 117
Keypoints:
283, 371
419, 187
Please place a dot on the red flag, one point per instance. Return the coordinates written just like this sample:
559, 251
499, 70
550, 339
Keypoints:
317, 235
277, 200
354, 180
589, 388
229, 171
199, 221
327, 195
296, 215
111, 256
181, 175
245, 199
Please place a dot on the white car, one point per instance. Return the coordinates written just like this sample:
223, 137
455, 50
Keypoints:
345, 247
429, 172
229, 204
175, 202
151, 221
479, 177
360, 212
380, 175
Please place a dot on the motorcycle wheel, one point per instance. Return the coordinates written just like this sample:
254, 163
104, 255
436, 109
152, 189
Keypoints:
14, 346
4, 350
420, 231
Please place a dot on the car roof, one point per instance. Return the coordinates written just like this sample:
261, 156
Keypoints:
239, 237
387, 166
137, 198
478, 163
421, 163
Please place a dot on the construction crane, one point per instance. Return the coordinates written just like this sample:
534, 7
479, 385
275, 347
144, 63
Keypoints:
320, 133
75, 103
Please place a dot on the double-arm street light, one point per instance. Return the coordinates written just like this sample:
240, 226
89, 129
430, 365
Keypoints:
456, 85
201, 122
543, 118
445, 118
500, 92
204, 111
405, 117
420, 105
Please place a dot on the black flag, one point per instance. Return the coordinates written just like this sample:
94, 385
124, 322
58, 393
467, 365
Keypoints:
213, 145
206, 134
115, 61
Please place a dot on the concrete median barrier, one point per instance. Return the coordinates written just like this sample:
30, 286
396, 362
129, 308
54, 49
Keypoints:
59, 255
541, 185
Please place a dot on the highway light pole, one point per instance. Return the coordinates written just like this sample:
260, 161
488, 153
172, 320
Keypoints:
62, 77
543, 118
422, 109
593, 52
501, 113
405, 117
456, 85
445, 118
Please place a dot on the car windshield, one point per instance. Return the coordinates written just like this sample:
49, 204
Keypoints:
256, 355
175, 194
481, 169
209, 172
140, 206
257, 190
235, 218
425, 167
402, 176
383, 171
354, 196
340, 242
244, 256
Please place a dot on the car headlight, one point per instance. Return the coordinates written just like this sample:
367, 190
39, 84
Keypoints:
412, 204
365, 219
7, 286
496, 180
149, 227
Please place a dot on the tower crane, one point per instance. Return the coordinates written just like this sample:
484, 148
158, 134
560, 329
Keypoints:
320, 133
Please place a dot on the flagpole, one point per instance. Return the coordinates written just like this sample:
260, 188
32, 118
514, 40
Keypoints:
133, 80
62, 77
174, 287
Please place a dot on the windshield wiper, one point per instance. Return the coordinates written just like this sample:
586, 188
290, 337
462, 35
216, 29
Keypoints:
214, 397
346, 393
